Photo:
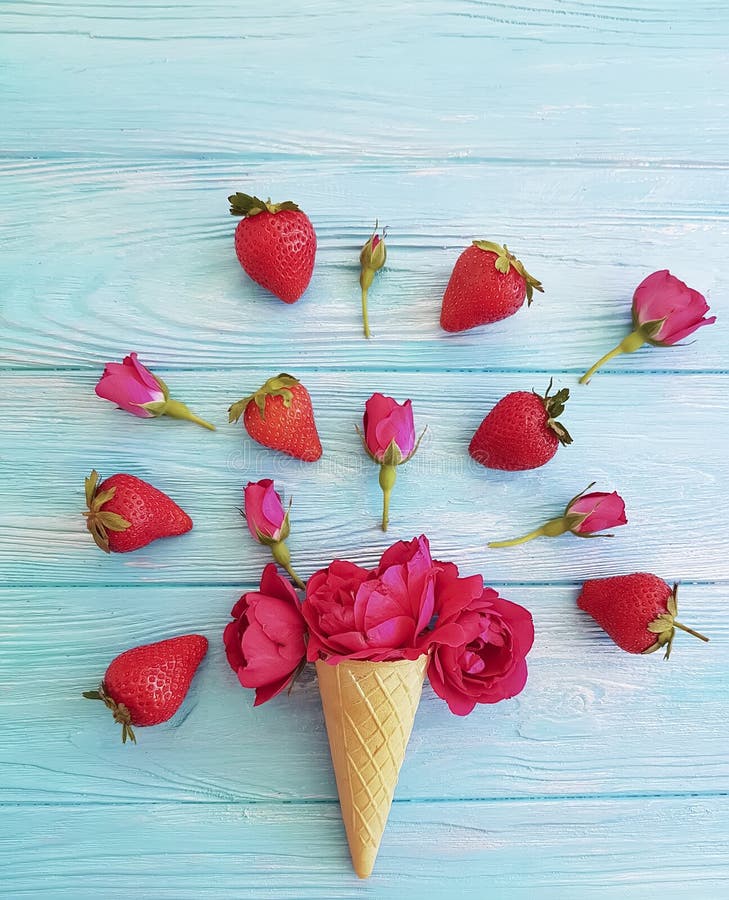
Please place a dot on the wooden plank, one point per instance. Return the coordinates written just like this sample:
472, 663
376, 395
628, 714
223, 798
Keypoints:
434, 80
592, 720
139, 255
665, 849
660, 441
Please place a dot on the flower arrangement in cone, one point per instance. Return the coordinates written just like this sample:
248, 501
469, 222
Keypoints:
373, 634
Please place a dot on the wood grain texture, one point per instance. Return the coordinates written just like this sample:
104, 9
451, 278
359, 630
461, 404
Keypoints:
534, 848
464, 79
591, 137
593, 721
670, 487
140, 256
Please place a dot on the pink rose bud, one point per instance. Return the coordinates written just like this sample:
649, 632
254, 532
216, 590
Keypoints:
265, 643
668, 309
585, 515
130, 385
371, 259
386, 423
597, 511
268, 522
388, 436
665, 310
265, 515
135, 389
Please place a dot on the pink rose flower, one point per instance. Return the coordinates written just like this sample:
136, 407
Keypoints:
661, 297
490, 664
386, 421
380, 615
135, 389
600, 511
265, 515
265, 642
129, 384
585, 515
665, 311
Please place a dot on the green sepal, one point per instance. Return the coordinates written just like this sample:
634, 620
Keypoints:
577, 496
247, 206
279, 386
373, 259
554, 405
384, 461
664, 627
98, 521
113, 521
120, 712
416, 447
505, 260
285, 532
393, 455
162, 386
156, 407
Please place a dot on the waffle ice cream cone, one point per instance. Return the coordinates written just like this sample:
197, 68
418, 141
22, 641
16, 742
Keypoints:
369, 709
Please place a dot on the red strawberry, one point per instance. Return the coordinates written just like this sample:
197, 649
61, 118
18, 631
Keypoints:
520, 432
275, 244
146, 685
637, 611
487, 284
279, 415
125, 513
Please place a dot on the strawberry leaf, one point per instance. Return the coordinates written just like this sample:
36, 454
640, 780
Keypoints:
113, 521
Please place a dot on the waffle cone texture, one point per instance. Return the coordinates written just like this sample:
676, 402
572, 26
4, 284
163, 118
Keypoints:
369, 709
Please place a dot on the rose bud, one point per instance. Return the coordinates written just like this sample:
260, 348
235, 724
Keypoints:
490, 664
268, 522
265, 643
371, 259
665, 310
388, 437
135, 389
585, 515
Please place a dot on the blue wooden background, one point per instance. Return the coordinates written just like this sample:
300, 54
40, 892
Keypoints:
591, 137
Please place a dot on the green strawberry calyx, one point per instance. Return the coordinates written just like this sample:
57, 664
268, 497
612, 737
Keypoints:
98, 521
665, 625
554, 406
505, 260
247, 206
119, 711
279, 386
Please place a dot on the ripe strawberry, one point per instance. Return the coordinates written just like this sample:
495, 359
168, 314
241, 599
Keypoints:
275, 243
146, 685
488, 283
125, 513
637, 611
279, 415
520, 432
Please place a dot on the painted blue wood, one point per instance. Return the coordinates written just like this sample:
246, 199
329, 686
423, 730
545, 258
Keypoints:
592, 139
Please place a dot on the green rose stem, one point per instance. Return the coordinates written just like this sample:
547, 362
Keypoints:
281, 554
178, 410
634, 341
553, 528
388, 476
365, 280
